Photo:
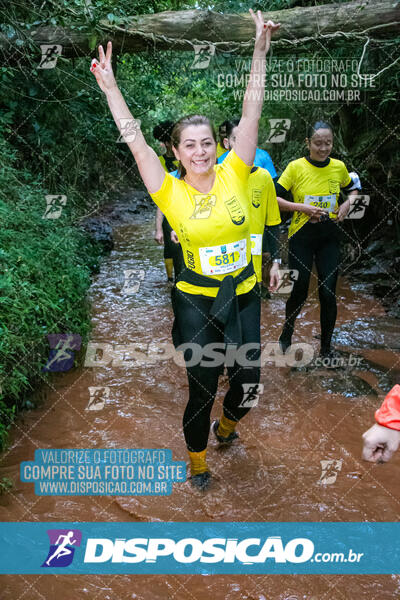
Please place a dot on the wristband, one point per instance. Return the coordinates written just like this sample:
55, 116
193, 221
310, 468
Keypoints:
388, 414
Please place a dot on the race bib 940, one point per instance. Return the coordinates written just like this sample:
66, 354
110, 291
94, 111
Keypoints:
328, 203
218, 260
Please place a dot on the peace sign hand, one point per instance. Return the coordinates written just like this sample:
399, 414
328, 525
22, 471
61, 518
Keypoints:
103, 70
264, 31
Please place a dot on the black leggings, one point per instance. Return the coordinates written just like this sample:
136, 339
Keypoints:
196, 326
172, 250
319, 241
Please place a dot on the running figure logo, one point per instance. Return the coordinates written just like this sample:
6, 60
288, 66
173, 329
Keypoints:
128, 130
54, 206
132, 281
279, 129
358, 204
287, 277
98, 397
50, 53
61, 551
202, 56
251, 393
330, 470
61, 356
203, 204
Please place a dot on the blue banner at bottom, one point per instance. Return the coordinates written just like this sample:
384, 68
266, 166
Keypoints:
199, 548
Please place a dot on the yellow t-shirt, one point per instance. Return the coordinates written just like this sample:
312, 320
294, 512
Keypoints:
264, 210
213, 228
319, 186
162, 161
220, 150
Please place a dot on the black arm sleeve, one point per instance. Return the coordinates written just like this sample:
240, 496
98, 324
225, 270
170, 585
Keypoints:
272, 239
281, 191
348, 186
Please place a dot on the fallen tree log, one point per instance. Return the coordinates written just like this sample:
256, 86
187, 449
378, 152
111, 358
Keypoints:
181, 30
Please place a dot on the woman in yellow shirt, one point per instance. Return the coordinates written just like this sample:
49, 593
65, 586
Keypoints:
214, 301
315, 183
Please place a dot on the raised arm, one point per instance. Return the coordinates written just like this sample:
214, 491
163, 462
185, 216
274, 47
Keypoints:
247, 133
146, 159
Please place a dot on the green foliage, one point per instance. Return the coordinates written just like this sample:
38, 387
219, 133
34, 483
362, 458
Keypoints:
7, 415
5, 485
45, 267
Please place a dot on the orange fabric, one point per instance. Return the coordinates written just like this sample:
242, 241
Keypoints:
388, 414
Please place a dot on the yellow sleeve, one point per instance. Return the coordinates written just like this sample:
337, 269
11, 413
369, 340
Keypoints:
345, 177
233, 163
163, 196
220, 150
286, 179
162, 161
273, 215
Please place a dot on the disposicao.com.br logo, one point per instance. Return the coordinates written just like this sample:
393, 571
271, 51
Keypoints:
247, 551
199, 547
180, 553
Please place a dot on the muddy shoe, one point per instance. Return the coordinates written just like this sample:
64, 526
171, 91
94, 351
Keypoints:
223, 440
201, 481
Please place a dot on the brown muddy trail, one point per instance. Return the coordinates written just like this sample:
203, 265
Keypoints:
271, 474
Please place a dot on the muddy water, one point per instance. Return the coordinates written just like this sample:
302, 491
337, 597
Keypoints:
272, 474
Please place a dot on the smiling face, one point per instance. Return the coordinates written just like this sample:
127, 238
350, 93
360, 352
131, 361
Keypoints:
197, 149
320, 144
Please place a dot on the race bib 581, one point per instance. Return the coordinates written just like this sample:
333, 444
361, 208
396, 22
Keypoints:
218, 260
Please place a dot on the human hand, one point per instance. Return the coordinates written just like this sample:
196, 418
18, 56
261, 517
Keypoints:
264, 31
380, 443
174, 237
274, 277
314, 212
342, 210
159, 236
103, 70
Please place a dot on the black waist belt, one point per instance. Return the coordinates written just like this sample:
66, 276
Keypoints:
225, 307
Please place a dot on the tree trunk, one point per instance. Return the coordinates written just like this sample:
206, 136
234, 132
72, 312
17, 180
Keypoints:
228, 32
